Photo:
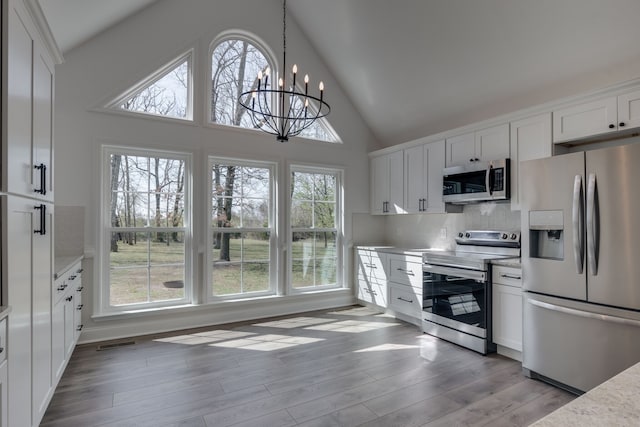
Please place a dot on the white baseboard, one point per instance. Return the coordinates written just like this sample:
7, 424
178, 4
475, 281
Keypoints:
214, 314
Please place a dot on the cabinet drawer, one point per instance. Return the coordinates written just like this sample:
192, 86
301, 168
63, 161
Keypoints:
406, 269
372, 293
509, 276
405, 299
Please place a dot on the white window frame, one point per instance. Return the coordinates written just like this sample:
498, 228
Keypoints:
104, 305
273, 230
339, 230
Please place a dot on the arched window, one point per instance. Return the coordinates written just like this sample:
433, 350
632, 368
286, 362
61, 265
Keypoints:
235, 63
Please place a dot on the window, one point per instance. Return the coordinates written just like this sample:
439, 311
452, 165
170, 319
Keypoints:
235, 63
315, 222
146, 240
165, 93
241, 249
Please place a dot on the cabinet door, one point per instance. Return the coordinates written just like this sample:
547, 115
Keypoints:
19, 218
415, 179
4, 419
17, 163
492, 143
379, 184
69, 324
77, 312
434, 154
460, 150
584, 120
41, 290
629, 110
42, 126
507, 316
396, 182
58, 349
530, 139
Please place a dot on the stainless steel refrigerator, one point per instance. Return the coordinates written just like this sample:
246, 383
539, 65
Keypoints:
581, 265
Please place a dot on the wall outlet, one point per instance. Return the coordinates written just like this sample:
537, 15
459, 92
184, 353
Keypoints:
443, 233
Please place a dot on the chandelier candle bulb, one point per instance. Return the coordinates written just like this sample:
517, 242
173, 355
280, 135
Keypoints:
295, 70
306, 84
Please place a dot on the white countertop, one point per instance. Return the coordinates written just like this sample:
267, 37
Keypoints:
612, 403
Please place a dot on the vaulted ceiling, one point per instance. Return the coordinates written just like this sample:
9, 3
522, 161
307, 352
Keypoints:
418, 67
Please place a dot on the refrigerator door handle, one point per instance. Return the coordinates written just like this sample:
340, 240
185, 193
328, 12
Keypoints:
585, 314
592, 224
577, 219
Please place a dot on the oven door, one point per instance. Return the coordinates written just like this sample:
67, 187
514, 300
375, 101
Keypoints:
456, 298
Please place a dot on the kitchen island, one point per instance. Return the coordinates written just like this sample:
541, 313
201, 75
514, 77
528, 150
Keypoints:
612, 403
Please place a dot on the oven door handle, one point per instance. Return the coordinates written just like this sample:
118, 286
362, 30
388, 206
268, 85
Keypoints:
480, 276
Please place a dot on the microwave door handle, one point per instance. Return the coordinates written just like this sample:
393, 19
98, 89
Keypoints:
592, 225
577, 220
488, 180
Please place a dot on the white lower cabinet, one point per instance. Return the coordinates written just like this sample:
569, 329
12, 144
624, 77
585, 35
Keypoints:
371, 276
507, 308
405, 286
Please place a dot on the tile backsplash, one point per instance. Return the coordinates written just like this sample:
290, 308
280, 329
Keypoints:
69, 230
432, 230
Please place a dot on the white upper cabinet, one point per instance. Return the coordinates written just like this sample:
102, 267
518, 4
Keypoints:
584, 120
479, 146
28, 152
629, 110
387, 183
530, 139
599, 117
423, 166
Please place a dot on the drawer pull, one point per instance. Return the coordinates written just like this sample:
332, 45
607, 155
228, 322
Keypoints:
69, 298
80, 289
80, 271
61, 288
72, 277
80, 307
405, 300
79, 328
510, 276
409, 272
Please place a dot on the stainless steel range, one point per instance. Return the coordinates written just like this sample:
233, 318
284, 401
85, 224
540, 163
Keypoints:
456, 294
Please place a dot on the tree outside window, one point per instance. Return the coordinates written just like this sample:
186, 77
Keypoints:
315, 222
241, 228
147, 234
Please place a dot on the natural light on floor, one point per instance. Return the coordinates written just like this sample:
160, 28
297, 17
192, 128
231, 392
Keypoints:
387, 347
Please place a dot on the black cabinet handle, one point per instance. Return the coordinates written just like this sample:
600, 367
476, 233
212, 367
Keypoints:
80, 307
80, 271
611, 126
43, 179
471, 160
80, 289
1, 349
69, 298
61, 288
621, 124
43, 220
79, 328
405, 300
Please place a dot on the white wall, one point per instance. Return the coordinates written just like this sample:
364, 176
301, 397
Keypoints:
116, 59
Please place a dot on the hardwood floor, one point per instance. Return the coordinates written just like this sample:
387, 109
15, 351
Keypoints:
347, 367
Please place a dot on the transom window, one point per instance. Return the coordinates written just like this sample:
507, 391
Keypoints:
241, 250
148, 238
315, 228
235, 64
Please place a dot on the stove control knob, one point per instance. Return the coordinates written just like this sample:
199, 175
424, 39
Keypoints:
514, 236
504, 235
460, 235
467, 235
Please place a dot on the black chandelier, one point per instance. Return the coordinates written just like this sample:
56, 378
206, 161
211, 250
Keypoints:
294, 111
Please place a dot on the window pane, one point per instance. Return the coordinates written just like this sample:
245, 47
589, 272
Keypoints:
255, 213
226, 279
302, 186
324, 187
227, 247
325, 243
229, 59
302, 246
302, 273
167, 282
326, 269
167, 248
256, 247
255, 276
256, 182
301, 214
129, 249
324, 214
128, 286
168, 96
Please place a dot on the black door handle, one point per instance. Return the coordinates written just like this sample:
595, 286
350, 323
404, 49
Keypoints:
43, 220
43, 179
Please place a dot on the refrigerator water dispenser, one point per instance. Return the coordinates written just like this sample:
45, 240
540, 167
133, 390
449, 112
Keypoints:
546, 235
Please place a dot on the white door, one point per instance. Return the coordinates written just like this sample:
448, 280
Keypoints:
379, 184
461, 150
492, 143
530, 139
586, 119
396, 182
42, 126
629, 110
415, 182
434, 154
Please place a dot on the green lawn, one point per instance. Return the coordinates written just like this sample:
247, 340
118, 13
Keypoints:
137, 275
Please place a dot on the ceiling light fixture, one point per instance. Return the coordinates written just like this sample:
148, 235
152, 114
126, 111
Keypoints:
294, 111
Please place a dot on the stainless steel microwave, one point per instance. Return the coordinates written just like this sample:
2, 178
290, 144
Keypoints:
477, 182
